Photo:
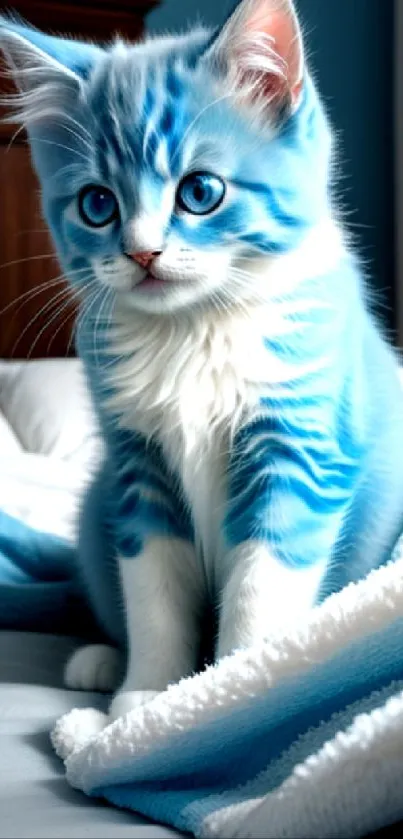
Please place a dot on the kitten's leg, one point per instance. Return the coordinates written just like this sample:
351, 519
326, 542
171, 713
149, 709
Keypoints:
261, 595
98, 667
163, 596
288, 493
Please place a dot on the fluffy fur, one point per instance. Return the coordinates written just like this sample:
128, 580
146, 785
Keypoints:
251, 409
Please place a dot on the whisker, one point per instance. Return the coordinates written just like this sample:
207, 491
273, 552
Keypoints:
28, 295
72, 336
82, 289
198, 115
28, 259
67, 302
98, 324
77, 134
85, 309
14, 137
90, 299
36, 290
55, 315
61, 146
65, 320
115, 359
63, 323
78, 321
44, 308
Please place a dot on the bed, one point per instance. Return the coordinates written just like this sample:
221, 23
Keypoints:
48, 446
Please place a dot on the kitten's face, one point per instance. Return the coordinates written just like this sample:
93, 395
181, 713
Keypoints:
162, 180
152, 206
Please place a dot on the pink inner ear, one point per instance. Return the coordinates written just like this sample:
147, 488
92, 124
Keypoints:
280, 25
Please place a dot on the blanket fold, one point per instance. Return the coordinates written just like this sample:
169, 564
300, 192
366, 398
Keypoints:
300, 736
36, 577
39, 588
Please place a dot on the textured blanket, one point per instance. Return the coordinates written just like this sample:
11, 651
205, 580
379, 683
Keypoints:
301, 736
39, 589
36, 577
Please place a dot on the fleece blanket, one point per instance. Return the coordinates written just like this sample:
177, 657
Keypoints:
36, 577
39, 589
300, 736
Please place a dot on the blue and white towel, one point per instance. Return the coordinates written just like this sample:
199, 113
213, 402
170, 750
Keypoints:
301, 736
38, 589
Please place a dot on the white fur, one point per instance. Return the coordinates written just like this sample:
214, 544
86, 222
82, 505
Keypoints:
189, 275
126, 700
145, 231
95, 667
261, 69
46, 87
163, 595
261, 595
192, 378
189, 381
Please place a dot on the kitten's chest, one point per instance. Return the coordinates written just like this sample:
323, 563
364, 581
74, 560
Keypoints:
194, 426
190, 393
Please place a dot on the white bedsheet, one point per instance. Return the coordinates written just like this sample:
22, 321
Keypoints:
49, 442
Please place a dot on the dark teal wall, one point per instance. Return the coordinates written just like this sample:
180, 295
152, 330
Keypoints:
350, 43
351, 46
174, 14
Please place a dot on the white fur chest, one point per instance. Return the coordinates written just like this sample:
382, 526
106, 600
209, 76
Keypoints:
190, 380
188, 383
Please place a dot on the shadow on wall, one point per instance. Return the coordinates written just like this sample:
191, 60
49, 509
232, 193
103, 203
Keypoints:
350, 44
174, 15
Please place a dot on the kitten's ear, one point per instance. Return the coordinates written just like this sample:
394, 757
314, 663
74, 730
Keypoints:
48, 71
259, 55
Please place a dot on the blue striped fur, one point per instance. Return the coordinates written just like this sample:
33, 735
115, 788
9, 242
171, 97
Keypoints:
249, 404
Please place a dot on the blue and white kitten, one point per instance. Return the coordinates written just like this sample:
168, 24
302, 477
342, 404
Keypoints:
251, 409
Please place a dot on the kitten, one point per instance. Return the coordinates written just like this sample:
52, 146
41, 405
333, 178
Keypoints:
251, 409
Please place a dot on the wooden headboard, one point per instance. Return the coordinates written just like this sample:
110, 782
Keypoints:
31, 325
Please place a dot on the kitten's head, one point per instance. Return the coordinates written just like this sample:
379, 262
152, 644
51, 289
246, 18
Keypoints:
170, 168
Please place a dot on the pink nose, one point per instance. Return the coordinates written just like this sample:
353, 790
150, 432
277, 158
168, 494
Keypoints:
145, 258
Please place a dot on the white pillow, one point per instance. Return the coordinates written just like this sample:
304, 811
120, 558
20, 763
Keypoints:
9, 444
47, 406
42, 491
49, 442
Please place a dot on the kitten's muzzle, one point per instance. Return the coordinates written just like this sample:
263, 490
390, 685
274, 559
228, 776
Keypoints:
144, 258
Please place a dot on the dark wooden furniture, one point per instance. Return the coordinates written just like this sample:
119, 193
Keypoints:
31, 326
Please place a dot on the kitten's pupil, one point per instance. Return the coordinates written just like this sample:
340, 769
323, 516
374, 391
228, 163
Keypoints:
199, 192
99, 201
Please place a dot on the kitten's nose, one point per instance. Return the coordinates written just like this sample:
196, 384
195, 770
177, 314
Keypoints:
145, 258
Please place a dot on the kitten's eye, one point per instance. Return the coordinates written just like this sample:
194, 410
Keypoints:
98, 206
200, 193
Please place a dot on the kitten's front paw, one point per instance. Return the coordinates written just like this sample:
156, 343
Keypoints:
127, 700
95, 667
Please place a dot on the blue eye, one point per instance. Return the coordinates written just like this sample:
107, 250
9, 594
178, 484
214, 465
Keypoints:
98, 206
200, 193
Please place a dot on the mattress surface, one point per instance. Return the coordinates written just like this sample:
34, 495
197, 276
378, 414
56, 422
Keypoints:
35, 799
